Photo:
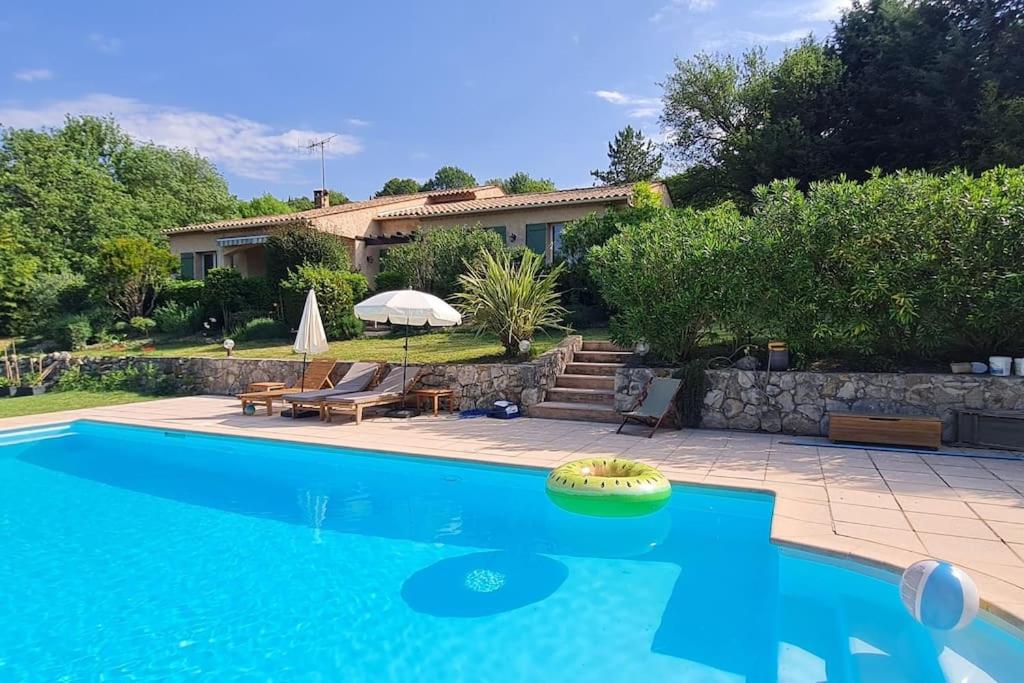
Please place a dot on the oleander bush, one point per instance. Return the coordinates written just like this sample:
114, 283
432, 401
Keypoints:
899, 267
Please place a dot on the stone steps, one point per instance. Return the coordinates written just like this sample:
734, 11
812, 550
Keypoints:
576, 395
617, 357
585, 412
569, 381
601, 346
603, 369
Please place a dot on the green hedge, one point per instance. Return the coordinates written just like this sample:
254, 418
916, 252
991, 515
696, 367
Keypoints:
909, 265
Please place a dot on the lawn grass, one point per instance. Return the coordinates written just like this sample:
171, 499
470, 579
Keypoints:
430, 349
66, 400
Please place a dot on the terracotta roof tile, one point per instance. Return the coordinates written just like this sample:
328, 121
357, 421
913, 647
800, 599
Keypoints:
576, 196
304, 216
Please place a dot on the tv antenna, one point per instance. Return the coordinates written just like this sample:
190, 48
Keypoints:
321, 143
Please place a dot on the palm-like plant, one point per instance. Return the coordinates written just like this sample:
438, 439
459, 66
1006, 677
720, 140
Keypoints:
512, 298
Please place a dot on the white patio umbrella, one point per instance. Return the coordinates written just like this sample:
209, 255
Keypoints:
407, 307
311, 338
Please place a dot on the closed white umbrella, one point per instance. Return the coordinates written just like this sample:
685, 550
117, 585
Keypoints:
311, 338
407, 307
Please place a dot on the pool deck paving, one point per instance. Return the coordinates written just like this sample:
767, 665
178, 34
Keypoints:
888, 509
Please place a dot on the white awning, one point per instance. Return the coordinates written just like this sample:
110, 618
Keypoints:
239, 241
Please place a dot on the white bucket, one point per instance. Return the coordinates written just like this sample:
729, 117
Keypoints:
999, 365
1018, 367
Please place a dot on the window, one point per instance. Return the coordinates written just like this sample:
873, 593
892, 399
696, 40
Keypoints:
537, 237
500, 229
545, 239
188, 266
556, 238
207, 261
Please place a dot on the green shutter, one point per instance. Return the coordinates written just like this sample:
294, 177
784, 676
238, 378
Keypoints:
500, 229
188, 266
537, 237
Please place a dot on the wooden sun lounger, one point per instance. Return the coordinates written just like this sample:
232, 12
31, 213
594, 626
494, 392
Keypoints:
654, 404
389, 392
357, 378
317, 376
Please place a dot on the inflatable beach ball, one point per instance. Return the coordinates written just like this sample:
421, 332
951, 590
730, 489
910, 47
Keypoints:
939, 595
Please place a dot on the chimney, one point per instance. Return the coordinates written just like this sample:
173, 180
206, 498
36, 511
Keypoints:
321, 199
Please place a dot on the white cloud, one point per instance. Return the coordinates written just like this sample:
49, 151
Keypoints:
105, 44
640, 107
243, 146
815, 10
790, 36
674, 7
29, 75
357, 122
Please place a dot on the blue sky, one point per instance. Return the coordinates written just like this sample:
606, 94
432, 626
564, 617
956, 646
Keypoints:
495, 87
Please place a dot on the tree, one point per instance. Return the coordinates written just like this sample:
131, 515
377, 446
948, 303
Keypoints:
924, 82
741, 122
449, 178
303, 246
76, 186
264, 205
521, 183
17, 271
396, 186
510, 299
129, 274
631, 158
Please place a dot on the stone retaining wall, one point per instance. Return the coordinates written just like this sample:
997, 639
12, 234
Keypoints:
476, 385
799, 402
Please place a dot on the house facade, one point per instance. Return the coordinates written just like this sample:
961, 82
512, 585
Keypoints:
370, 227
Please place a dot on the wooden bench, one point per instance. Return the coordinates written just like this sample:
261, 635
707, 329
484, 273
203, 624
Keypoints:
896, 430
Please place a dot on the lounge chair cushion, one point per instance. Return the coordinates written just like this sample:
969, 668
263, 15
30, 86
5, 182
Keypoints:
357, 378
390, 387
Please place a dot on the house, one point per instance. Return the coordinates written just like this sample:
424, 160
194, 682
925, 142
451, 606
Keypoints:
370, 227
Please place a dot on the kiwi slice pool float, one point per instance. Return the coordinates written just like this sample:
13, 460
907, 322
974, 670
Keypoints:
608, 487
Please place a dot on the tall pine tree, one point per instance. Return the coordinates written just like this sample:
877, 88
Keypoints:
631, 158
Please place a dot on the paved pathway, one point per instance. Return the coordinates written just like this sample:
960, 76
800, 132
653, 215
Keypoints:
889, 509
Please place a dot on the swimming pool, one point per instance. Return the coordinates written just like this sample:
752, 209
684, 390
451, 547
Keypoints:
131, 552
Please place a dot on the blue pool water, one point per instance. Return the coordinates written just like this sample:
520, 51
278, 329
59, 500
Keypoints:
134, 554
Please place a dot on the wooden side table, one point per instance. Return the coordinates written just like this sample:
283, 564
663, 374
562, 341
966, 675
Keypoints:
266, 386
433, 397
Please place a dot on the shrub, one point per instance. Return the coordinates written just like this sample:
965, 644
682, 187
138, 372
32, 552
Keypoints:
666, 279
223, 293
359, 286
182, 292
177, 320
130, 272
583, 234
260, 328
142, 326
49, 296
909, 264
258, 294
389, 280
72, 332
300, 246
436, 258
333, 293
145, 379
511, 300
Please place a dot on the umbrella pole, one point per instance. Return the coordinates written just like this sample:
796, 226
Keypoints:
405, 365
302, 384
